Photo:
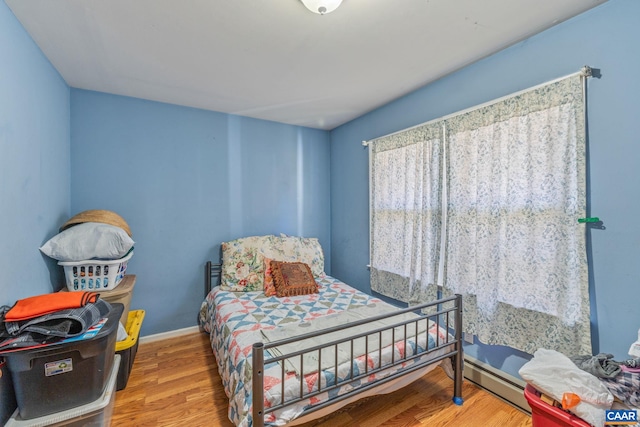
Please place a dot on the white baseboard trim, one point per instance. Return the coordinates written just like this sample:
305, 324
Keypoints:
503, 385
169, 334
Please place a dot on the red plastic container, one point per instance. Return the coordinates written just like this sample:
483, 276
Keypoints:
545, 415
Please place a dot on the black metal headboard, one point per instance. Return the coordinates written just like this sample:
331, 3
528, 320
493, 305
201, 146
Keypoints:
211, 271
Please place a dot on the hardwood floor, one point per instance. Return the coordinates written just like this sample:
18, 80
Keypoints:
176, 383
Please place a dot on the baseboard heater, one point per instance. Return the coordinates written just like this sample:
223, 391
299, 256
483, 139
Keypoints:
501, 384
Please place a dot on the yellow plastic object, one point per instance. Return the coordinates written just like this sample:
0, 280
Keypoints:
134, 323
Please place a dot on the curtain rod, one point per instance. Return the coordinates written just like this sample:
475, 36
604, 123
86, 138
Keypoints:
585, 71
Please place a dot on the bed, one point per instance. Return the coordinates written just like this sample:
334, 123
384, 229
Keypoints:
292, 358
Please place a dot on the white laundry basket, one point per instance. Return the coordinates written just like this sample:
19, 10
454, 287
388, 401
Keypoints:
95, 274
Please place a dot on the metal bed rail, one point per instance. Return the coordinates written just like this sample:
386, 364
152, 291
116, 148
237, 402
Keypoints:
212, 272
445, 313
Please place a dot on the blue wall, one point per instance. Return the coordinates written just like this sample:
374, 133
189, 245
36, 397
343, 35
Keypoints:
607, 38
185, 180
34, 162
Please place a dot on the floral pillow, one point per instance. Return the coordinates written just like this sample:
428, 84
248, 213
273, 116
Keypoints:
243, 260
242, 265
296, 249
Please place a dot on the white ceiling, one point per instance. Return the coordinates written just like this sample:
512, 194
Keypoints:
273, 59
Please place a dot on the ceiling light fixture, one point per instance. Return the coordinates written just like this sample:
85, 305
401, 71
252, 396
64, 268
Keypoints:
321, 7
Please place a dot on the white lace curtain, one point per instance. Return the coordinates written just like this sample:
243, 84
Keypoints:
486, 203
406, 199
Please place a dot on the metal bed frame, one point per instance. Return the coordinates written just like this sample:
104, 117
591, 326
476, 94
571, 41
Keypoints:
446, 313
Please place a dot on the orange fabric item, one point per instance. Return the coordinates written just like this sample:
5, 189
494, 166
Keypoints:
269, 286
40, 305
569, 400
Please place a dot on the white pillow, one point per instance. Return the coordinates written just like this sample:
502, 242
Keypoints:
89, 240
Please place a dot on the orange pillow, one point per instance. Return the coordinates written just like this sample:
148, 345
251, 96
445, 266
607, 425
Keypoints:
269, 286
292, 278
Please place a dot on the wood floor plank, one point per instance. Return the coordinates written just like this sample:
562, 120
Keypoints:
175, 383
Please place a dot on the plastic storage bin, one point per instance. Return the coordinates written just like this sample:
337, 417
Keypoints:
7, 397
63, 375
94, 414
545, 415
94, 274
128, 348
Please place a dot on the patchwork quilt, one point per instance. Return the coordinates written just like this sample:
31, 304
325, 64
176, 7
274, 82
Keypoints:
236, 320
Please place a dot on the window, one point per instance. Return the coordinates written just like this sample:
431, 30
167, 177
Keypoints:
486, 203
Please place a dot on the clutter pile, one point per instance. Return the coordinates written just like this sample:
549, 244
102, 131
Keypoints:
49, 318
588, 386
64, 355
59, 350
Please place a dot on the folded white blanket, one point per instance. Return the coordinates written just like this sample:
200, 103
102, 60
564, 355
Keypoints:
554, 374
